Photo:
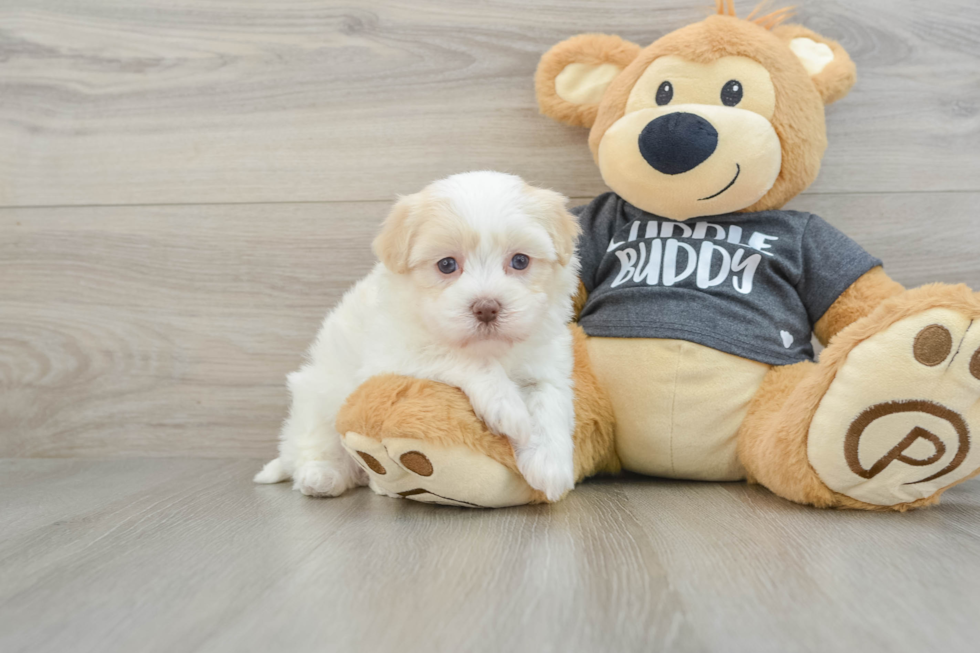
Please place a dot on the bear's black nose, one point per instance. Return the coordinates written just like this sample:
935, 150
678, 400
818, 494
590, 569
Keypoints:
677, 142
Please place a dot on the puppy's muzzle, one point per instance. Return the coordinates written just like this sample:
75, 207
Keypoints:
486, 310
677, 142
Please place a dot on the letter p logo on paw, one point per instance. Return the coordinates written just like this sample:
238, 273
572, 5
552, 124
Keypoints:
896, 424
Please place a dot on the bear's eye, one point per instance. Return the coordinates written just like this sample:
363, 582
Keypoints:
447, 265
665, 93
731, 93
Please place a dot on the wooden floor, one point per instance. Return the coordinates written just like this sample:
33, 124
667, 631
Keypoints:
187, 555
187, 185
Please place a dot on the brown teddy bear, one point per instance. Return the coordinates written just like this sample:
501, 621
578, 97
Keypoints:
700, 294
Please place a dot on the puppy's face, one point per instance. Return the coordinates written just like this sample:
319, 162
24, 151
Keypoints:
486, 256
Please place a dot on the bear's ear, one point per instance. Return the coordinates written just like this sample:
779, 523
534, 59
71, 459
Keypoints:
829, 65
573, 75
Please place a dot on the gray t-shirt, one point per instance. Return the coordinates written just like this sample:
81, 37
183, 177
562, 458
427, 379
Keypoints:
749, 284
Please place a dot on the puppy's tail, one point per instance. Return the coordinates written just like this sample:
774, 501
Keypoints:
273, 472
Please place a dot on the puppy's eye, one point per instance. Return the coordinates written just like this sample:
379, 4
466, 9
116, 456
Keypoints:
665, 93
447, 265
731, 93
520, 261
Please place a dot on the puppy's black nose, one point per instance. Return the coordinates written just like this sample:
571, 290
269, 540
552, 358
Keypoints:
486, 310
677, 142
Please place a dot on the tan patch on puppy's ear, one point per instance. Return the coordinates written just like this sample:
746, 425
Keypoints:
828, 64
394, 244
573, 76
550, 208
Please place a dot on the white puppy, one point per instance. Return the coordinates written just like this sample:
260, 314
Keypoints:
474, 289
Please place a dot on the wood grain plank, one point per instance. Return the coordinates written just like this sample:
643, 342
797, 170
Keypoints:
113, 102
164, 330
188, 555
167, 331
208, 561
815, 580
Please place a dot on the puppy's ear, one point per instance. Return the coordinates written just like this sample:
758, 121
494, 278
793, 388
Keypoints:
828, 64
394, 244
573, 76
550, 209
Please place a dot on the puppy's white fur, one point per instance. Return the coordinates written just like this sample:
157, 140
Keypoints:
407, 317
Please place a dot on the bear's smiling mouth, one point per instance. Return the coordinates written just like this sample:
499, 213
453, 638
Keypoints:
738, 170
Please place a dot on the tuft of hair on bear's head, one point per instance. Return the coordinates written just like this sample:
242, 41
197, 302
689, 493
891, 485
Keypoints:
769, 20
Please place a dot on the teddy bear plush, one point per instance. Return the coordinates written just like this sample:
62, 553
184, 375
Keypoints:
699, 295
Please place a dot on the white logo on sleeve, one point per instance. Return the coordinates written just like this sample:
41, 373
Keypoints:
787, 339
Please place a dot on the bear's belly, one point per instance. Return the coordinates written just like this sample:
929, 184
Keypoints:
678, 405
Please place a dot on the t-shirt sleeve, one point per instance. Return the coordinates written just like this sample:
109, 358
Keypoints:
597, 219
831, 263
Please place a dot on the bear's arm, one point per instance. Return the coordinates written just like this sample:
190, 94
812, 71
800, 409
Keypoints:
859, 300
578, 302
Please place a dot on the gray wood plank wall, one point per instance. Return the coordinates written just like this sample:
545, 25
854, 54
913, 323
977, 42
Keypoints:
185, 187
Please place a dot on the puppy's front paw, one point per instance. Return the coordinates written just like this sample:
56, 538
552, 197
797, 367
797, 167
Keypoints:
322, 479
509, 418
547, 469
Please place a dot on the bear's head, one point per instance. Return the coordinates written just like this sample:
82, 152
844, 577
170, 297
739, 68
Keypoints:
720, 116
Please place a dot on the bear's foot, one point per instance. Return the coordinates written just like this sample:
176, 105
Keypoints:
898, 424
418, 439
435, 472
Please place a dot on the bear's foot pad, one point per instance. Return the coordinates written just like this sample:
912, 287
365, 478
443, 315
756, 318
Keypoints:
433, 473
896, 423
